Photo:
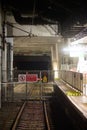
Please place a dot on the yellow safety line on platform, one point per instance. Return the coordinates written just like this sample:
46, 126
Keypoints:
73, 93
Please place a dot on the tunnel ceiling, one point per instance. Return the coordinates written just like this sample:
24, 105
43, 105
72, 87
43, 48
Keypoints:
71, 16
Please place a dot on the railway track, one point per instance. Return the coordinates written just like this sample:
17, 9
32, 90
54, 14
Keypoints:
32, 116
31, 91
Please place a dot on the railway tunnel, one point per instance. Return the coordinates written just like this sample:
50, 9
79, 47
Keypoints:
33, 37
32, 62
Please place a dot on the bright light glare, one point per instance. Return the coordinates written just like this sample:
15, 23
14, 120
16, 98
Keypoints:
55, 70
82, 66
75, 50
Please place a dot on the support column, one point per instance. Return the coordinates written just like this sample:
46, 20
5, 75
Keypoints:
10, 58
7, 67
4, 72
1, 46
54, 56
4, 58
0, 52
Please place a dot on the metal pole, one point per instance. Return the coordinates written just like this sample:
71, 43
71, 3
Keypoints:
26, 87
40, 85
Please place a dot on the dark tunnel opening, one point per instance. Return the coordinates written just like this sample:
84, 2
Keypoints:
32, 62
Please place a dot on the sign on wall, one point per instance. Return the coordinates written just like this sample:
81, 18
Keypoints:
22, 77
31, 77
44, 77
27, 77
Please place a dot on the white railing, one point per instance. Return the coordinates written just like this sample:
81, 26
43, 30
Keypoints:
75, 79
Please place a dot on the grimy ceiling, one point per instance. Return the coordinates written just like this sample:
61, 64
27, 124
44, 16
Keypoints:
70, 15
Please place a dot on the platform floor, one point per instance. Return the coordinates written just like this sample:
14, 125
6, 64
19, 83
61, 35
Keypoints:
78, 99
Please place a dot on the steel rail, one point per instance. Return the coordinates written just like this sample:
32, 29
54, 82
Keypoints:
46, 117
18, 116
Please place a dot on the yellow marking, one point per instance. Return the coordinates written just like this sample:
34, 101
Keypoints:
73, 93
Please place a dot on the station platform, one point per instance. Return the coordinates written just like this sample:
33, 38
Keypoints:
78, 99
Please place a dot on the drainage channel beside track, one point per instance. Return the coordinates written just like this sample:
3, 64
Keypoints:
33, 116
